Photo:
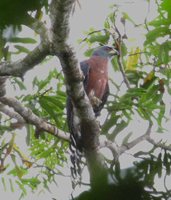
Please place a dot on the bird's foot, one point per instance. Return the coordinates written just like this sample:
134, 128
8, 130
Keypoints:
95, 101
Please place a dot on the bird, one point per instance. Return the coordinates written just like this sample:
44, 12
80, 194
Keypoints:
95, 82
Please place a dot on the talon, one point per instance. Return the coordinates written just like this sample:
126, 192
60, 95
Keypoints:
95, 101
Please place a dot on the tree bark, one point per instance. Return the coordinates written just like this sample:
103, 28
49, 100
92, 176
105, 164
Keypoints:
60, 13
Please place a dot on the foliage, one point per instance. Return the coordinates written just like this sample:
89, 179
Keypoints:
148, 72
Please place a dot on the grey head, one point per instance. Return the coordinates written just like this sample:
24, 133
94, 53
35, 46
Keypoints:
105, 52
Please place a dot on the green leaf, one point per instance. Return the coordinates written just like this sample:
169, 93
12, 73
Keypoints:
164, 53
166, 5
11, 185
119, 127
30, 132
31, 182
23, 40
115, 64
54, 107
125, 140
89, 52
19, 83
126, 16
124, 49
161, 115
99, 38
22, 49
4, 183
18, 171
107, 24
54, 100
159, 164
111, 17
110, 123
157, 22
22, 187
166, 163
42, 84
156, 33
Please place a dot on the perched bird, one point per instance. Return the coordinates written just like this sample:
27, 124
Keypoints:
95, 71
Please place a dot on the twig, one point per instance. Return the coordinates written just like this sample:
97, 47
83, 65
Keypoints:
110, 145
49, 169
31, 118
145, 136
145, 20
121, 67
122, 71
159, 144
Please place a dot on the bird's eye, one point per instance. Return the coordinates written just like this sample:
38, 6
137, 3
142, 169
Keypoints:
108, 48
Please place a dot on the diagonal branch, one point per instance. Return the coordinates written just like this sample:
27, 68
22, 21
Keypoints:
160, 144
118, 150
143, 137
13, 115
33, 119
60, 13
20, 67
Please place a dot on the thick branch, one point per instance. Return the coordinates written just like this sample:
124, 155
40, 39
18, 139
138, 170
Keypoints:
31, 118
19, 68
12, 114
60, 12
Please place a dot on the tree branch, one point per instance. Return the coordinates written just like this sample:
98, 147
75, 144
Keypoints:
20, 67
159, 144
60, 13
118, 150
118, 43
143, 137
122, 70
13, 115
31, 118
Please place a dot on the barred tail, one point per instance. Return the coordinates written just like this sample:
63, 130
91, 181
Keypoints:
75, 141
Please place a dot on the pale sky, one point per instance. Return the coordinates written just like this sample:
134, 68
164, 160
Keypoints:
91, 14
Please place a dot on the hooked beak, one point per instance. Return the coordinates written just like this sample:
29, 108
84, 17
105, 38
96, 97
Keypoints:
114, 52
